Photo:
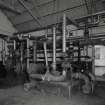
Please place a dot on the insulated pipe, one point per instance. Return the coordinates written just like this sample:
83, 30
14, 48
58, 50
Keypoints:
21, 59
93, 59
64, 34
49, 77
45, 53
34, 52
54, 48
28, 54
3, 51
14, 44
90, 15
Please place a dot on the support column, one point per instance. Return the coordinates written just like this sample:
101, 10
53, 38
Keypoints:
54, 48
64, 34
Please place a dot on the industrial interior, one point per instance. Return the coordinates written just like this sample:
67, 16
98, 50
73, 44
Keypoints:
52, 52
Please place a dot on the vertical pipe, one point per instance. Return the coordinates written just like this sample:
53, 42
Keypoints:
87, 58
79, 53
27, 54
14, 44
93, 59
21, 59
3, 51
34, 52
54, 48
64, 34
45, 53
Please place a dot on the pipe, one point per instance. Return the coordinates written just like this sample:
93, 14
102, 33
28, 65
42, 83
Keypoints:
21, 58
3, 51
93, 59
54, 48
49, 77
34, 51
90, 15
14, 44
64, 34
30, 12
45, 53
27, 54
36, 76
38, 29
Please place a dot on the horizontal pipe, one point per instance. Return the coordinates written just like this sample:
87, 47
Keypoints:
36, 76
49, 77
90, 15
38, 29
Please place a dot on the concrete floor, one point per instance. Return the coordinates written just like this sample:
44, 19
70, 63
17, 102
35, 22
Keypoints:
15, 95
